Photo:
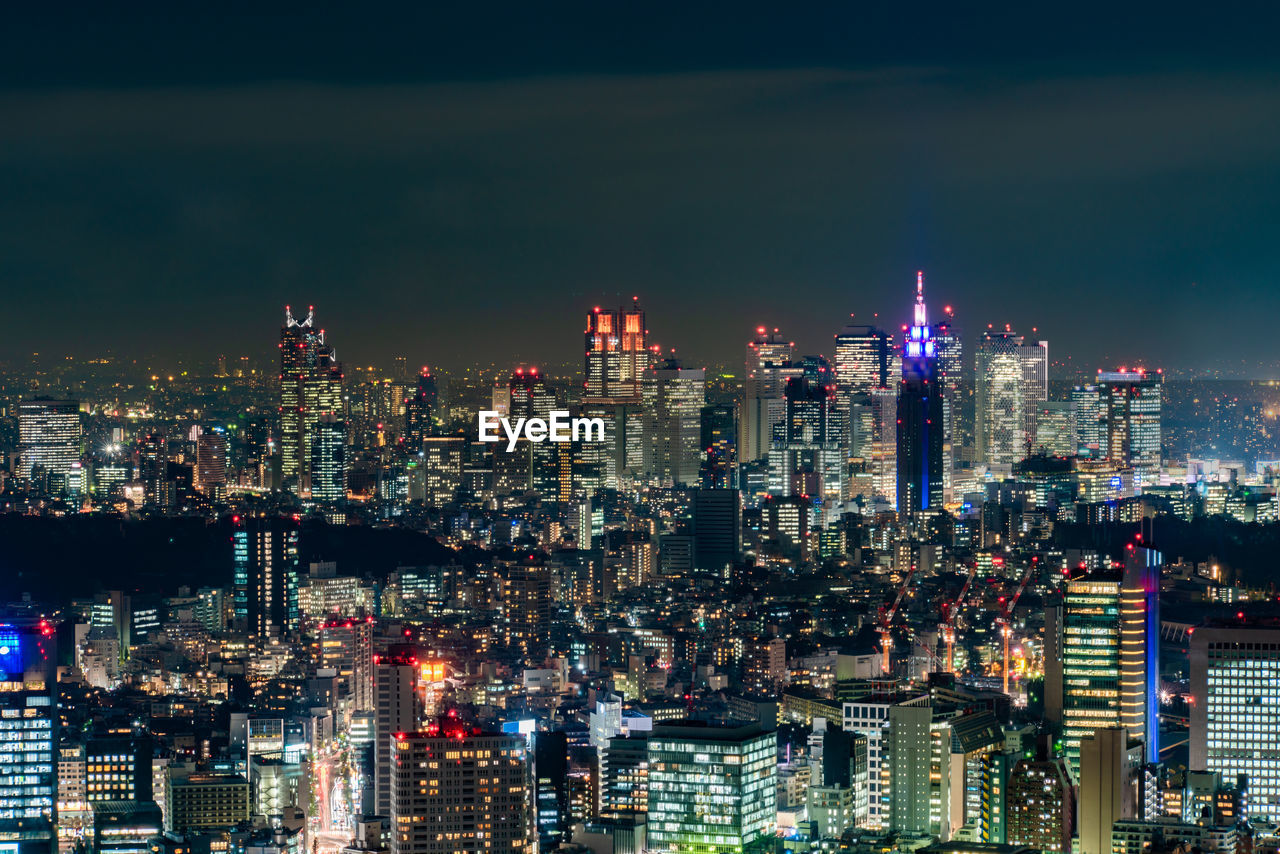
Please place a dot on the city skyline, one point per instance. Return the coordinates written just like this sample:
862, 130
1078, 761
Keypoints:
786, 171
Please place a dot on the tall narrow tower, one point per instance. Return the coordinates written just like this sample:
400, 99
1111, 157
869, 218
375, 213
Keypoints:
616, 354
920, 424
310, 388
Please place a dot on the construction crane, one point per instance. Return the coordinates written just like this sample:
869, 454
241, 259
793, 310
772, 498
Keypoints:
886, 618
1004, 620
948, 626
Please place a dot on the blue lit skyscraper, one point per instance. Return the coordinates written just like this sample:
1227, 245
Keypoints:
920, 424
28, 731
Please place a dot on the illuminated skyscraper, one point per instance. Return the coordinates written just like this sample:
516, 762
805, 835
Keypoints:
711, 788
862, 360
807, 457
329, 459
1235, 708
673, 401
265, 575
49, 440
768, 367
310, 387
211, 459
1129, 406
29, 734
920, 410
531, 397
616, 354
957, 400
1090, 658
1091, 424
1011, 382
420, 411
456, 788
1140, 648
397, 708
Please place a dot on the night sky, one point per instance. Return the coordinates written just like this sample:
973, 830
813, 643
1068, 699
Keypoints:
458, 183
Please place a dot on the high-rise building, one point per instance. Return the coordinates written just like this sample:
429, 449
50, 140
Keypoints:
347, 647
807, 456
673, 400
1040, 805
310, 387
917, 770
1106, 792
862, 361
957, 400
456, 788
1090, 658
920, 433
329, 459
768, 367
868, 716
1091, 424
717, 529
526, 606
211, 459
396, 711
48, 440
531, 397
420, 410
29, 732
265, 575
1130, 405
719, 446
711, 788
616, 354
1235, 722
1140, 648
1011, 382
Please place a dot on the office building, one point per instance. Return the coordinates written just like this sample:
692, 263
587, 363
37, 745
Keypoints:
768, 367
420, 411
265, 575
862, 362
310, 387
29, 731
49, 439
1235, 708
719, 446
1130, 407
118, 768
397, 709
1090, 658
616, 354
711, 788
456, 788
807, 457
673, 400
920, 428
916, 771
717, 529
211, 460
867, 716
1011, 382
329, 459
206, 801
125, 827
1140, 648
1106, 792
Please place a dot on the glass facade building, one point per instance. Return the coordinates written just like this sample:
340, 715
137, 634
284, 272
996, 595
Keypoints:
712, 789
1235, 713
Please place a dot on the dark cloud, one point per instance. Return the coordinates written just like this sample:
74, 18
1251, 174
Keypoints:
481, 218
